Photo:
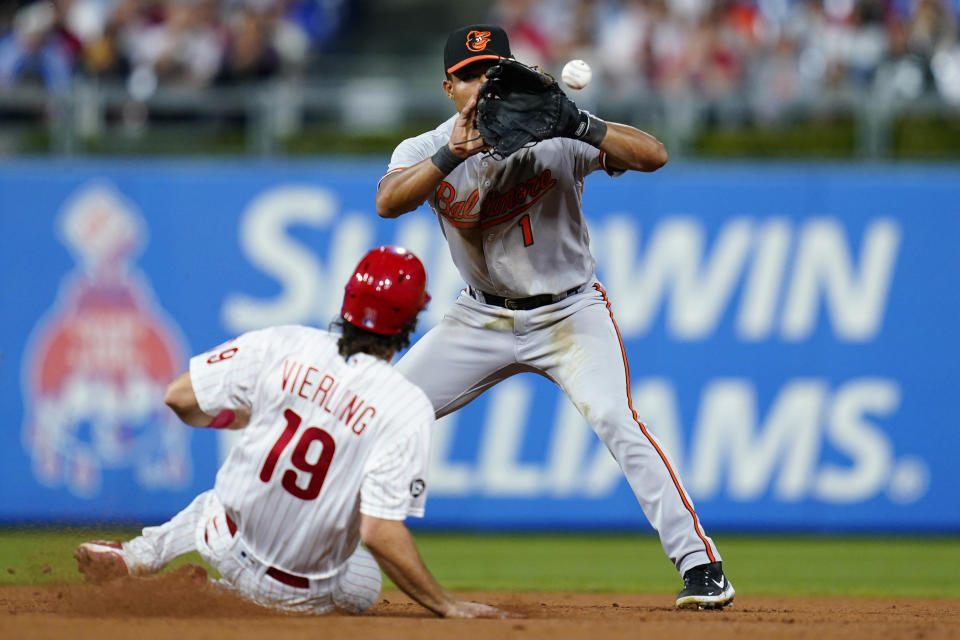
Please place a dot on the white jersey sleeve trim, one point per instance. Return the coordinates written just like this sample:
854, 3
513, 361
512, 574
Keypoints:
387, 485
391, 171
225, 376
384, 514
207, 395
414, 150
395, 478
613, 173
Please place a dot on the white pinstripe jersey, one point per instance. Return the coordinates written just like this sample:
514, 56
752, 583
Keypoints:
515, 226
328, 439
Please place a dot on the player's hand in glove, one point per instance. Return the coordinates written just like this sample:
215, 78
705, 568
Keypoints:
465, 139
521, 105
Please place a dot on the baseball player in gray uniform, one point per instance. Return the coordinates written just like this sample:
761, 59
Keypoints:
517, 234
333, 450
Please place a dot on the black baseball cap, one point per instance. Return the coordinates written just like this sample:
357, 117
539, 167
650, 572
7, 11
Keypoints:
475, 42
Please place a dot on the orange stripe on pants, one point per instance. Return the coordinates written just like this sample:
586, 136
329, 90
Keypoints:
643, 429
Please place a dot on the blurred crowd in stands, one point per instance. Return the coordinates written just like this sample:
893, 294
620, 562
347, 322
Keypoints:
770, 52
187, 43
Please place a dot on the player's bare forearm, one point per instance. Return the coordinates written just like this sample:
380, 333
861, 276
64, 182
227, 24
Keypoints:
632, 149
183, 401
392, 545
403, 191
181, 398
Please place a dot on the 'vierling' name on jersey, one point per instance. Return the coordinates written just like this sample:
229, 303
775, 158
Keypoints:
326, 392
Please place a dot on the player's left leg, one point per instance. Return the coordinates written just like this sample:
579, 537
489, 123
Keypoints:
578, 345
354, 589
358, 584
468, 352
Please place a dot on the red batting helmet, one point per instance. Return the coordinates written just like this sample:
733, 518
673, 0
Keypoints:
386, 291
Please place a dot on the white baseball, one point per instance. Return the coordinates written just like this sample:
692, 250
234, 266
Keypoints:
576, 74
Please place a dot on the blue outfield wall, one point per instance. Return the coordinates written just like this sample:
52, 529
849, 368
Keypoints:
792, 333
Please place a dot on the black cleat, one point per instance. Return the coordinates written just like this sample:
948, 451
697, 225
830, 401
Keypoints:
705, 587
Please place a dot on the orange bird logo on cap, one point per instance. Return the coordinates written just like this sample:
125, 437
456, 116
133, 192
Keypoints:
478, 40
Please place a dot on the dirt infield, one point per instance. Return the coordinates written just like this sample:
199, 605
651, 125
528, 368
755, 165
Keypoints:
179, 605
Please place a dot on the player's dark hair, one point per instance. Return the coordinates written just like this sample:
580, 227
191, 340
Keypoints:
354, 339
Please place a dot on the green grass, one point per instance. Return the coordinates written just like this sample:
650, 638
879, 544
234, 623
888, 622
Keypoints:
782, 565
26, 554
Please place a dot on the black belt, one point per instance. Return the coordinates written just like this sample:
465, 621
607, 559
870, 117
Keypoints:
523, 304
277, 574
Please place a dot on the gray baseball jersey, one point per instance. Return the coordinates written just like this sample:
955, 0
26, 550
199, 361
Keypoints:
516, 229
514, 226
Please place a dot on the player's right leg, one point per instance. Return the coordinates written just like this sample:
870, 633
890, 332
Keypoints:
590, 366
705, 587
468, 352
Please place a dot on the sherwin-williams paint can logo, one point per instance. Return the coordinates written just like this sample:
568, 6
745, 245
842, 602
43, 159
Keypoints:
97, 364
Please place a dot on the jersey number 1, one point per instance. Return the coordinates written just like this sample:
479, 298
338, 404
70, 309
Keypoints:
317, 470
527, 231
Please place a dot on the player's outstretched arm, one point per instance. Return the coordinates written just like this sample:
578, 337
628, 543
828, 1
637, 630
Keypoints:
404, 191
629, 148
392, 545
181, 398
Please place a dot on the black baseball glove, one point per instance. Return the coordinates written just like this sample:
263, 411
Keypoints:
521, 105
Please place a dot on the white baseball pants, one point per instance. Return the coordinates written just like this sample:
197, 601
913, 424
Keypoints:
576, 344
202, 527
